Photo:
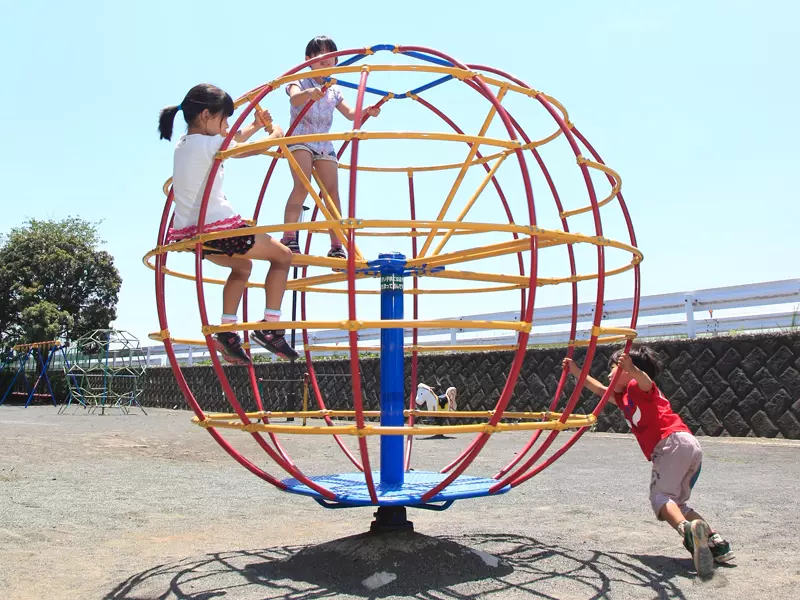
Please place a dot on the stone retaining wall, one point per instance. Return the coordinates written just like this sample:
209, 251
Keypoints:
737, 386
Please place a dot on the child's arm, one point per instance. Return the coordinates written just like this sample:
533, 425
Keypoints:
592, 384
262, 119
298, 97
350, 113
642, 379
274, 130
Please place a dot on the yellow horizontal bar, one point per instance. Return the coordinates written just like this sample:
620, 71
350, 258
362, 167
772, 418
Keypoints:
515, 281
344, 136
624, 331
417, 233
324, 226
309, 260
462, 348
614, 190
411, 291
301, 284
412, 348
458, 414
429, 168
611, 339
367, 430
333, 348
157, 338
18, 347
488, 277
472, 254
315, 289
546, 237
491, 288
357, 325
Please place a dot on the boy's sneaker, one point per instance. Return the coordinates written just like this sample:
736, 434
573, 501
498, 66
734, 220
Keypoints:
229, 344
698, 534
274, 341
291, 244
337, 252
720, 549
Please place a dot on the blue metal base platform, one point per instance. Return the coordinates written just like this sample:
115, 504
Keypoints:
351, 489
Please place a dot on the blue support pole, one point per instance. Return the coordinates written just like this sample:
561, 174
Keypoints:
45, 363
391, 266
22, 361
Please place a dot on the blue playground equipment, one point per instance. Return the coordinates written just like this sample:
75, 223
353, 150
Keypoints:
42, 355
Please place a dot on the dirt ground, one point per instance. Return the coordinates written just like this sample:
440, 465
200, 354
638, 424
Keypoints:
149, 507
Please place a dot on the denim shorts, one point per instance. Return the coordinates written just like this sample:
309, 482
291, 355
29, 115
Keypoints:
315, 156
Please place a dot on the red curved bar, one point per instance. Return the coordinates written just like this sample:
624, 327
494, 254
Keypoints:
415, 331
160, 264
309, 360
531, 466
515, 236
510, 217
573, 271
226, 387
251, 374
523, 336
517, 477
634, 318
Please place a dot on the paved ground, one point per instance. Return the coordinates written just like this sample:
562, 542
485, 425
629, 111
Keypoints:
143, 507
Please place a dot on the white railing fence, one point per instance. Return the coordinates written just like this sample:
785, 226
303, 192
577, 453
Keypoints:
770, 306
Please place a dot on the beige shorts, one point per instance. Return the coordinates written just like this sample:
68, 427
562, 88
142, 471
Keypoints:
676, 466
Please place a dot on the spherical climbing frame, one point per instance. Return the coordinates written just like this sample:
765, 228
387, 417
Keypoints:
394, 485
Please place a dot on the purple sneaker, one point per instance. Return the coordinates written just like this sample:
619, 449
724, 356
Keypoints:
274, 341
337, 252
229, 344
291, 244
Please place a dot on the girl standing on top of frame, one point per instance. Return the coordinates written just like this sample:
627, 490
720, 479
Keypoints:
319, 155
206, 109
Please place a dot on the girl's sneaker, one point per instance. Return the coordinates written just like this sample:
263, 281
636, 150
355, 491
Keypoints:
337, 252
229, 344
291, 244
274, 341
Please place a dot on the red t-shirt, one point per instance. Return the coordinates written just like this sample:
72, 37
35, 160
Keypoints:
649, 415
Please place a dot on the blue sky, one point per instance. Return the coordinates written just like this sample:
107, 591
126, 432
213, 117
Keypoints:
695, 104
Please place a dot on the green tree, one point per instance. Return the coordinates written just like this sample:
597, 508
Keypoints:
55, 281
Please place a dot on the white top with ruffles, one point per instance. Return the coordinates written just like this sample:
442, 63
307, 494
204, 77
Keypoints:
194, 155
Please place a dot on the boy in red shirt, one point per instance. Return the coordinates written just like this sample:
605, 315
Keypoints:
669, 444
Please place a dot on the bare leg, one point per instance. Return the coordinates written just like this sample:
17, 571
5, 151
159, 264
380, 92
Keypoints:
672, 515
234, 286
329, 175
693, 516
280, 258
294, 206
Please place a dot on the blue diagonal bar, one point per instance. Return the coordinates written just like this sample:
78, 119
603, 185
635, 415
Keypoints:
431, 59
